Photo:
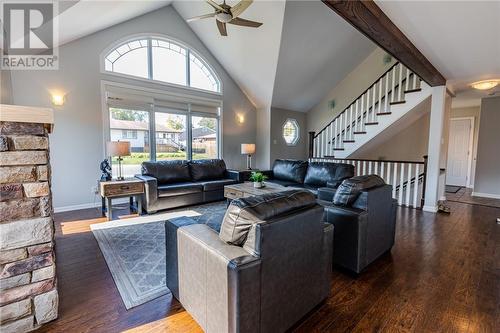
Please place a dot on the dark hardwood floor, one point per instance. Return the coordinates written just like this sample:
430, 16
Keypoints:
443, 275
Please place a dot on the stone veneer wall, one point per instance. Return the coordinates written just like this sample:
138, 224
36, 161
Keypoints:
28, 290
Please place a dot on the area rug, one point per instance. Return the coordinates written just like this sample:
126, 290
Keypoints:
134, 250
452, 188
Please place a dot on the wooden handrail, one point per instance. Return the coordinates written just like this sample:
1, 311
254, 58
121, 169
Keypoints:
364, 92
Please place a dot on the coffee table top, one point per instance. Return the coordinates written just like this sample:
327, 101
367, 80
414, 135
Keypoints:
247, 188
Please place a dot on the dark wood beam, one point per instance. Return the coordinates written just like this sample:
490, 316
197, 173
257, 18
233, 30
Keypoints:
370, 20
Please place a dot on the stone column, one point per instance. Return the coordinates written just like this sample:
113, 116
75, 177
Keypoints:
28, 296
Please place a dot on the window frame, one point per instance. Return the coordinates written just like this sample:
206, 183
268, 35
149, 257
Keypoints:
152, 109
189, 50
297, 138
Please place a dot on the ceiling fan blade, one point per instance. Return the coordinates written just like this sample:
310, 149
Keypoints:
215, 5
222, 28
240, 7
200, 17
245, 23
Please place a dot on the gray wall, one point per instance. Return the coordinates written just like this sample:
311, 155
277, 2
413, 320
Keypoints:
77, 142
279, 148
487, 179
410, 144
5, 87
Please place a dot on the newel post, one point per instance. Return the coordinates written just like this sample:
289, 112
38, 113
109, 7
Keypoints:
424, 181
311, 144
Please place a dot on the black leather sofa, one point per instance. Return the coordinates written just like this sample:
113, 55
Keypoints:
364, 216
311, 176
170, 184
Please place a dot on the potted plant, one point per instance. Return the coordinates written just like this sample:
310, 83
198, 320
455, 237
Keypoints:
258, 179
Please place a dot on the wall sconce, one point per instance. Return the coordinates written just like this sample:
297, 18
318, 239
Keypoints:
240, 118
58, 100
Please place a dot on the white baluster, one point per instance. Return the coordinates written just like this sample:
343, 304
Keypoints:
382, 166
408, 187
388, 174
393, 89
407, 79
400, 83
386, 97
415, 186
356, 116
380, 83
376, 168
374, 97
364, 168
401, 183
358, 168
362, 112
394, 179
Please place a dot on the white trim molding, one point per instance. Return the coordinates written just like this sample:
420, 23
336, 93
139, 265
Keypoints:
430, 209
486, 195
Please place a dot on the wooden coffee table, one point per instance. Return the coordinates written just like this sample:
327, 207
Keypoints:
246, 189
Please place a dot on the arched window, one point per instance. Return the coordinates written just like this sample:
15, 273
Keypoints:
162, 60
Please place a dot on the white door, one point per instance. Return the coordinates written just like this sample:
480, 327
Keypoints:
459, 154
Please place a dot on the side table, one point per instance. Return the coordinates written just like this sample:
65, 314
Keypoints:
132, 187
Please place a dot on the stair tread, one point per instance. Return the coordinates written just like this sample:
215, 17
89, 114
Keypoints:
397, 102
359, 132
349, 141
372, 123
338, 148
383, 113
413, 90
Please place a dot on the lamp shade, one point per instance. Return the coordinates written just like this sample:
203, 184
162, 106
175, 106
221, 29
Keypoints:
247, 148
118, 148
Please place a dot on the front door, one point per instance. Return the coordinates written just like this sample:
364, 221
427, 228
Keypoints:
459, 153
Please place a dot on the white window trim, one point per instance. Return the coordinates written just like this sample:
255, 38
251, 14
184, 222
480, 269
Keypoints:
152, 110
104, 53
297, 139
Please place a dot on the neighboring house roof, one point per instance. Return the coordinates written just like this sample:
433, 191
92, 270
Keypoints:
198, 133
139, 126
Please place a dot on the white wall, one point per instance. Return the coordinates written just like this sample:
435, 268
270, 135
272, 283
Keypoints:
344, 93
487, 182
263, 140
77, 142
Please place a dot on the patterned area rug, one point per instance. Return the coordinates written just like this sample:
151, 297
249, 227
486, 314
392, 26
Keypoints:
134, 250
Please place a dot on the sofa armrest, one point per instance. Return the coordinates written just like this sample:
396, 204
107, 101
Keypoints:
326, 193
235, 175
219, 284
150, 189
268, 173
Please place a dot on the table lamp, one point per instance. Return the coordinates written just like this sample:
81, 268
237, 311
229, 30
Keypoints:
118, 148
248, 149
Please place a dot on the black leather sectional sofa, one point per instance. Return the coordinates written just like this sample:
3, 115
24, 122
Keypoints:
309, 175
170, 184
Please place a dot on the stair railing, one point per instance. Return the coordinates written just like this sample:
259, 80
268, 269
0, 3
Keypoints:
389, 89
406, 177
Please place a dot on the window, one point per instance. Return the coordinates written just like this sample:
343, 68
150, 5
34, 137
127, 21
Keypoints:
134, 124
204, 137
291, 132
170, 145
162, 60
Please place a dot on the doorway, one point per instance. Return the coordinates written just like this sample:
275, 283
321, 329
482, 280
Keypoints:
460, 151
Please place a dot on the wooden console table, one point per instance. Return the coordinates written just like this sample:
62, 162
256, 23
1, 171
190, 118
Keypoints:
113, 189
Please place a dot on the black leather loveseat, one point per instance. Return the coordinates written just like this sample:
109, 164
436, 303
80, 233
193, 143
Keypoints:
309, 175
170, 184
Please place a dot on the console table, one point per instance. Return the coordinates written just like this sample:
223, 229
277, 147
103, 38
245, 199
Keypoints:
113, 189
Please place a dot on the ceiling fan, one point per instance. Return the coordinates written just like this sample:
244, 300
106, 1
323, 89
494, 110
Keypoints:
226, 14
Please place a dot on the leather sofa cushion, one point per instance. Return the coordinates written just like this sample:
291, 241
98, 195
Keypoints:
178, 189
350, 188
216, 185
290, 170
244, 212
283, 182
320, 173
208, 169
167, 172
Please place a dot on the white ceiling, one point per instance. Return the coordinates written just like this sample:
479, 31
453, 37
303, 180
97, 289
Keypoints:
460, 38
318, 50
84, 17
249, 55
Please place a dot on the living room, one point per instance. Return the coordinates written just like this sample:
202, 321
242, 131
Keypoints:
249, 166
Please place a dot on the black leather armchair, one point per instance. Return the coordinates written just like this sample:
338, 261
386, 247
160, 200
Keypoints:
365, 229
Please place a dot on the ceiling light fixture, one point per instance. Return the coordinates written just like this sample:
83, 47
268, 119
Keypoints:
485, 84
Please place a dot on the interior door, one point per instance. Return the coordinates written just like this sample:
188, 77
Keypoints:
458, 152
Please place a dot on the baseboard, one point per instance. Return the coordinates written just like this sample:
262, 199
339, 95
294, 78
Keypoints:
430, 209
87, 205
486, 195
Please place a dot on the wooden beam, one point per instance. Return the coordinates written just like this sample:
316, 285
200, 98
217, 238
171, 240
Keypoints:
370, 20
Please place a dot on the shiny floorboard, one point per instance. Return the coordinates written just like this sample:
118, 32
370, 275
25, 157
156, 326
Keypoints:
443, 275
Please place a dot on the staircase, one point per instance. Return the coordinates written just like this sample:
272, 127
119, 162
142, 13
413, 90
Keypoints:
388, 100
